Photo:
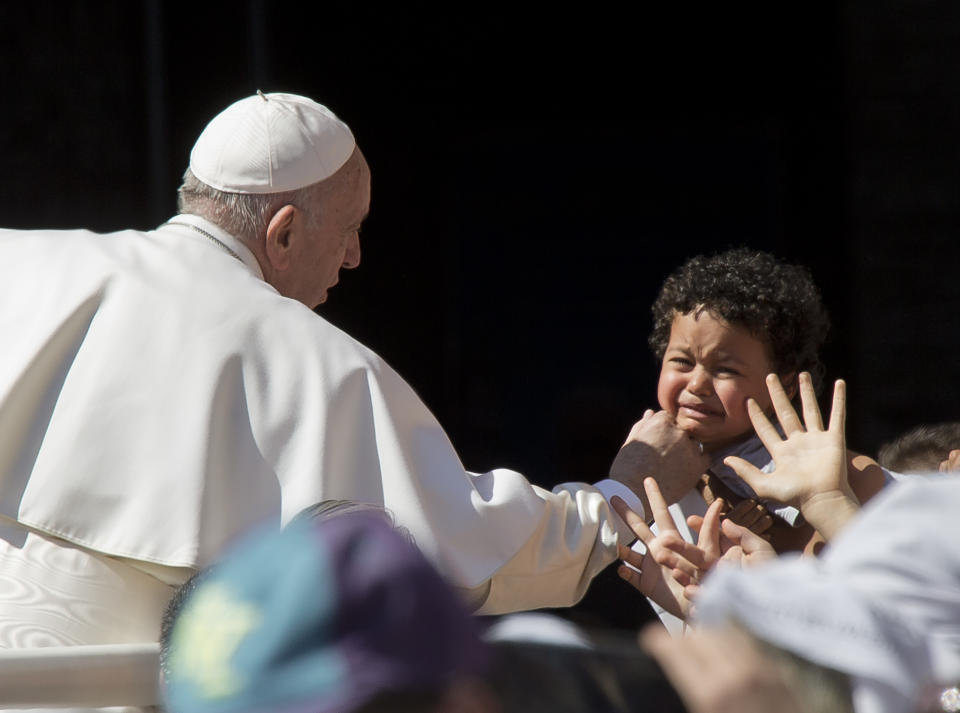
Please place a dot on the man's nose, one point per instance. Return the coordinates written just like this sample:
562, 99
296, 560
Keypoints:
351, 258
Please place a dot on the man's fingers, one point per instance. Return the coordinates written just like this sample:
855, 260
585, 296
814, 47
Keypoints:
658, 506
788, 418
838, 411
634, 521
811, 410
637, 427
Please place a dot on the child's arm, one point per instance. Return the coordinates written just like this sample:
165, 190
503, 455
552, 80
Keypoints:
866, 480
865, 476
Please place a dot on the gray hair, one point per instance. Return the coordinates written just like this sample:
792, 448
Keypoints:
243, 215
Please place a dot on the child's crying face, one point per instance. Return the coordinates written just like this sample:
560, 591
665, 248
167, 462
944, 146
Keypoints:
710, 368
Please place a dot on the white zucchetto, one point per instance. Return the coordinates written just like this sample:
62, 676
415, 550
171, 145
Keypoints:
271, 143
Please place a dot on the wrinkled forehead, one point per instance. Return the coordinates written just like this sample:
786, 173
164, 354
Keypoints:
687, 326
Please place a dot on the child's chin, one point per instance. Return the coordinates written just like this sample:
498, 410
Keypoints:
715, 443
694, 428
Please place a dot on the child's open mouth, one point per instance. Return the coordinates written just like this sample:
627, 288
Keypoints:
697, 412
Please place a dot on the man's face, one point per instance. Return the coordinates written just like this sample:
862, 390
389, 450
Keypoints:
328, 233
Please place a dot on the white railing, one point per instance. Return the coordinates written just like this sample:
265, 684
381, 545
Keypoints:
80, 676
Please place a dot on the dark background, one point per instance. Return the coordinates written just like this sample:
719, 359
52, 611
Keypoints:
537, 173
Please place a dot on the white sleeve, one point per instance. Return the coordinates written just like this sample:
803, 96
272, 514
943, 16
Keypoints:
575, 538
608, 488
507, 544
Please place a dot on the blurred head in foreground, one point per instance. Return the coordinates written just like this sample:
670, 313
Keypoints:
339, 615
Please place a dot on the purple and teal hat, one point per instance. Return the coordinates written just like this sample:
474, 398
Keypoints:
322, 616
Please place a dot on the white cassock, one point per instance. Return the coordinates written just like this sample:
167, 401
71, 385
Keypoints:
157, 398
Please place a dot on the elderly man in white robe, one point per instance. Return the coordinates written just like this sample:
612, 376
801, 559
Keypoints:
161, 392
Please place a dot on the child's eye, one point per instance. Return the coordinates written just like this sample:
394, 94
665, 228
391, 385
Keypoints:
727, 371
681, 361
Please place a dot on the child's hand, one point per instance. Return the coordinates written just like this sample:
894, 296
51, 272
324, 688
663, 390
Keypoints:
665, 553
734, 543
811, 463
748, 512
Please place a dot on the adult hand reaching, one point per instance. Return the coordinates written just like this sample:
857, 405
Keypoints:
811, 463
656, 447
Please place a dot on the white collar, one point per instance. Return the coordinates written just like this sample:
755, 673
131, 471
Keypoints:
203, 228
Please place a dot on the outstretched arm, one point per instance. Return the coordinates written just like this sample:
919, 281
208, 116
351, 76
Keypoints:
811, 463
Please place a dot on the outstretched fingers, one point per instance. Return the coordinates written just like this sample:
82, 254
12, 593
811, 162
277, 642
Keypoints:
766, 431
838, 411
708, 538
788, 418
658, 507
633, 520
808, 397
748, 472
751, 548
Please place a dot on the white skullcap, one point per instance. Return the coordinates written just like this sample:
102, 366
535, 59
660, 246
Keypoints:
270, 143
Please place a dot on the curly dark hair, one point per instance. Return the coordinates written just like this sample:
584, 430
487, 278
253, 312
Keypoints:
776, 302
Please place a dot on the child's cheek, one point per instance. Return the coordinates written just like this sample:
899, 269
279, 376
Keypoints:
668, 390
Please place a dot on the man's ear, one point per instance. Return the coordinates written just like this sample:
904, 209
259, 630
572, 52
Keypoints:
279, 239
790, 383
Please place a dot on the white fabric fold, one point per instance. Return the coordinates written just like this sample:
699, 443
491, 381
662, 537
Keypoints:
608, 488
158, 398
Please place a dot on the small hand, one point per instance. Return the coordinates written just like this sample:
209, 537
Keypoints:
743, 546
654, 578
811, 467
748, 512
752, 515
734, 543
